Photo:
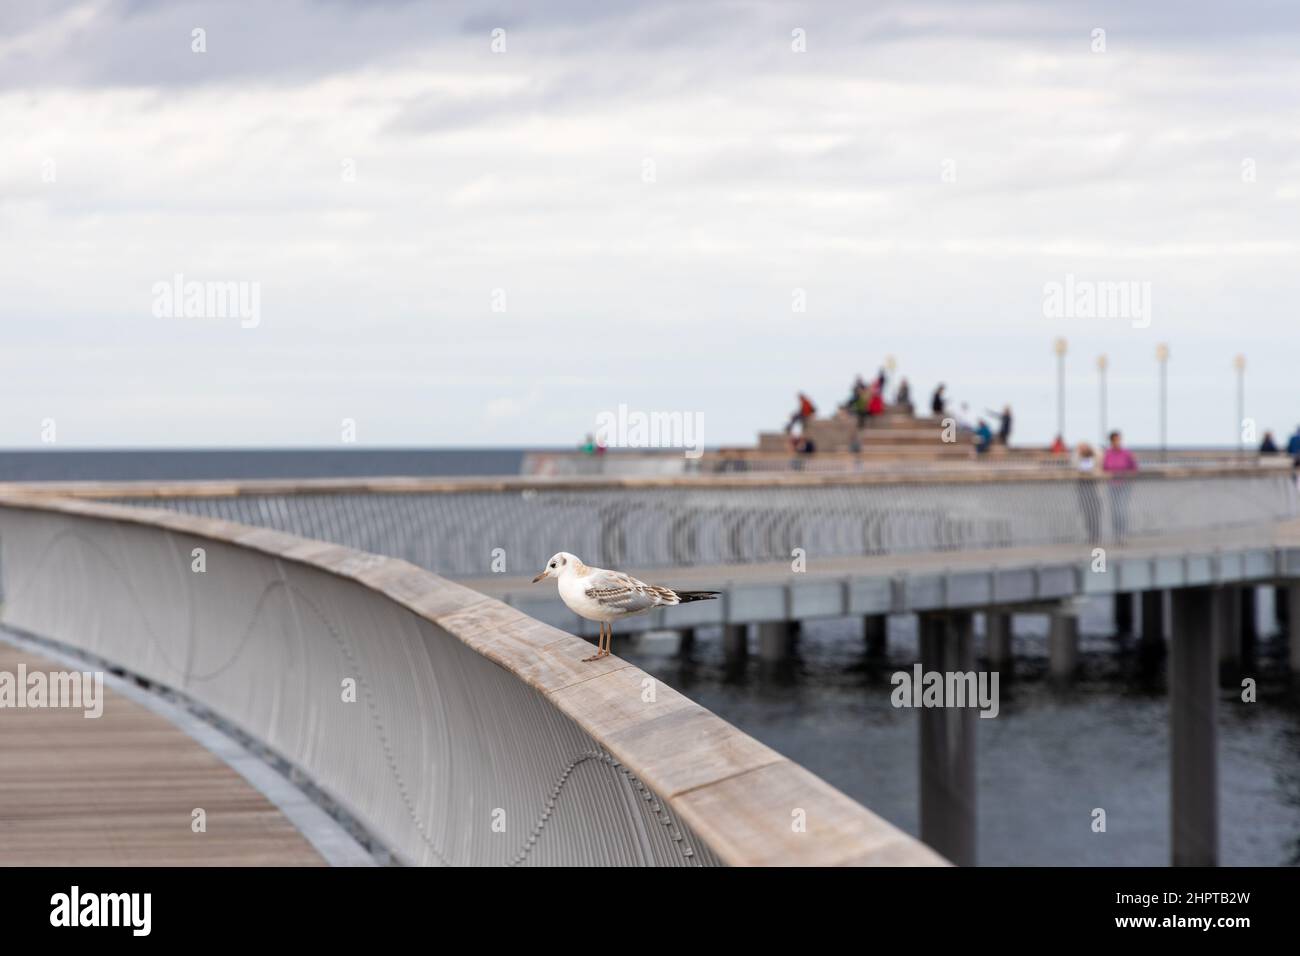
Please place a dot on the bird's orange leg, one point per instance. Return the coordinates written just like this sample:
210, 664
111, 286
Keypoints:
600, 645
609, 638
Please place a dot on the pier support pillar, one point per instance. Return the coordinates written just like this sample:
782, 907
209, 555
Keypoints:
997, 640
1293, 627
1282, 606
1227, 632
875, 632
1063, 643
1153, 622
776, 640
948, 744
1249, 619
735, 643
1124, 614
685, 641
1193, 736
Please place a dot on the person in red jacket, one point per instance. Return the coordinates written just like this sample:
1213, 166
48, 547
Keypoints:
875, 404
803, 414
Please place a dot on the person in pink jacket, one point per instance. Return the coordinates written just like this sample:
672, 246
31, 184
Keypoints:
1118, 458
1119, 461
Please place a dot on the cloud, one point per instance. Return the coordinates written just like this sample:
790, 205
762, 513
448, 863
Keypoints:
645, 185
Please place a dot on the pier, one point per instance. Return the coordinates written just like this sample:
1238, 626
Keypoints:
444, 727
307, 583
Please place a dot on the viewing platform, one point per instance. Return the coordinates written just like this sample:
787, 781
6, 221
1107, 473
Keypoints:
893, 434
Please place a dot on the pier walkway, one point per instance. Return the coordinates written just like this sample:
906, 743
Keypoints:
121, 789
471, 704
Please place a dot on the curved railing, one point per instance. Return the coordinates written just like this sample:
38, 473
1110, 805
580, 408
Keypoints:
471, 528
476, 735
915, 458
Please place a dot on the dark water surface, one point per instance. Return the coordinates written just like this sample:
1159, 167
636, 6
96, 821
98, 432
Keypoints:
184, 464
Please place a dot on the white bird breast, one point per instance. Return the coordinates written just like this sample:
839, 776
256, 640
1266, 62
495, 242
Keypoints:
573, 593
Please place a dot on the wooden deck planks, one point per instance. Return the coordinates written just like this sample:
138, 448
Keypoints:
119, 790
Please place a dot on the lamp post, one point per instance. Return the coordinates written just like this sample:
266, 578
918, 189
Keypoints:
1101, 379
1059, 347
1239, 363
1162, 356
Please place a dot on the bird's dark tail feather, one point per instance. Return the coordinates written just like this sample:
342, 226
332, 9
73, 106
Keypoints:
686, 597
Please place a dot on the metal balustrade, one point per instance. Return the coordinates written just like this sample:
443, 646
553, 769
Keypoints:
456, 532
476, 737
918, 461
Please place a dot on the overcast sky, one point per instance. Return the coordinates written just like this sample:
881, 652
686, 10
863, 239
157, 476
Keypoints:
643, 187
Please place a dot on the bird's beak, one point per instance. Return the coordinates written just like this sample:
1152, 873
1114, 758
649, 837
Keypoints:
540, 576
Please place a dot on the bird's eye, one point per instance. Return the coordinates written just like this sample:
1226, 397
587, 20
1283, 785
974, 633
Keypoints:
552, 564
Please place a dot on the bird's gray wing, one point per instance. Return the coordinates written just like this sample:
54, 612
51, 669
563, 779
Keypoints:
622, 592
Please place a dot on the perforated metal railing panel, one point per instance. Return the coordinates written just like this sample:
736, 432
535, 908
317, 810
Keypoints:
458, 533
457, 730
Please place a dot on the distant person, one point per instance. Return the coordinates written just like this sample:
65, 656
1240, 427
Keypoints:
882, 378
904, 396
1004, 424
1089, 493
1117, 457
800, 446
862, 403
856, 405
1293, 447
876, 401
589, 446
938, 400
983, 437
1118, 460
1058, 446
1268, 446
802, 415
851, 403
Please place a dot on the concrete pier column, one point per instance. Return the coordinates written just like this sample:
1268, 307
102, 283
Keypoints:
1193, 731
948, 744
1249, 619
875, 632
1124, 614
776, 640
1063, 643
1282, 607
1153, 621
997, 640
685, 641
735, 643
1226, 625
1293, 627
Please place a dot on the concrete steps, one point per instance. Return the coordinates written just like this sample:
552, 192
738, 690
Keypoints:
896, 433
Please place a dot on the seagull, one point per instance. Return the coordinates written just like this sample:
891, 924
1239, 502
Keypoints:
608, 596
